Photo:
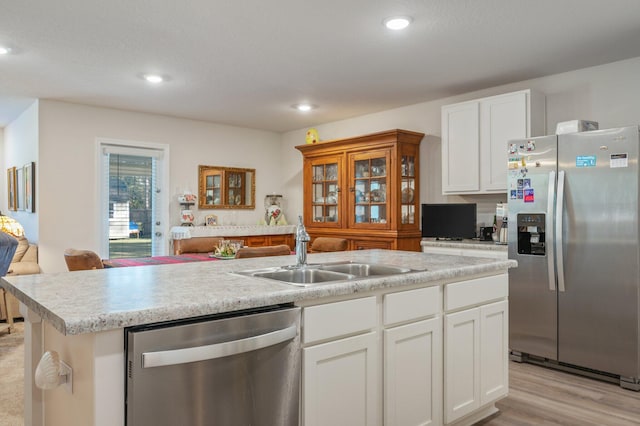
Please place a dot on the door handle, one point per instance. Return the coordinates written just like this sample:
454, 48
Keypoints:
558, 230
217, 350
548, 225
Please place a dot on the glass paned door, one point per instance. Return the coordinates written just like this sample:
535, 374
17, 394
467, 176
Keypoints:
213, 188
325, 192
407, 190
370, 180
133, 205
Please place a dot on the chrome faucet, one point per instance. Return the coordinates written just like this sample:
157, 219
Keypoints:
302, 239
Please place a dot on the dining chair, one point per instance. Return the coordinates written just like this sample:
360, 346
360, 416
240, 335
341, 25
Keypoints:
279, 250
82, 260
327, 244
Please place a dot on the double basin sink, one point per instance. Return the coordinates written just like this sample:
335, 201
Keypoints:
322, 273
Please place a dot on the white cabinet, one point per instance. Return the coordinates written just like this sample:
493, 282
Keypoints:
413, 374
462, 363
378, 360
340, 382
475, 135
494, 351
340, 371
413, 357
475, 345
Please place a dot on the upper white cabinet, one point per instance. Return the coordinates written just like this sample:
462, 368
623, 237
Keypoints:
475, 135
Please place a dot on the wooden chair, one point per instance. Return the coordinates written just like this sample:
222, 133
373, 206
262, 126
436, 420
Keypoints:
326, 244
82, 260
279, 250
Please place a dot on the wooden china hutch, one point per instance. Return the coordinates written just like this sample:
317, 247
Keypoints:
365, 189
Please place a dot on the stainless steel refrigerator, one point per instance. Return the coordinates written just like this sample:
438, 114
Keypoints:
573, 228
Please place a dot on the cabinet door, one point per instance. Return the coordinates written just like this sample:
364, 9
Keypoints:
340, 382
325, 196
502, 118
369, 190
494, 351
212, 182
281, 239
413, 374
461, 148
461, 363
408, 201
256, 241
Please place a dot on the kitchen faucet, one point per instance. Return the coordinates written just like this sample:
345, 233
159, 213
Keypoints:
302, 239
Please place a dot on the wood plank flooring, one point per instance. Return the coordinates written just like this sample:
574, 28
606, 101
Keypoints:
542, 396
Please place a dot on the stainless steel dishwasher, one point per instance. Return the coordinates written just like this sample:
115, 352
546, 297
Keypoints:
237, 369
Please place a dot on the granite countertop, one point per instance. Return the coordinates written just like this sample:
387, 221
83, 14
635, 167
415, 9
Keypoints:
98, 300
464, 244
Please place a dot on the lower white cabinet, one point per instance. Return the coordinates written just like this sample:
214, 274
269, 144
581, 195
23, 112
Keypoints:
378, 360
475, 358
340, 382
413, 374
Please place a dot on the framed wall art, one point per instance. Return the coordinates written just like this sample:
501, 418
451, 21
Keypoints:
29, 185
11, 188
20, 188
211, 220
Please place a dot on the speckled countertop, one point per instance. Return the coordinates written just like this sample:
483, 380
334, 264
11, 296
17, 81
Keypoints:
464, 244
98, 300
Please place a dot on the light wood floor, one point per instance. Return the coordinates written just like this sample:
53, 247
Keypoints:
542, 396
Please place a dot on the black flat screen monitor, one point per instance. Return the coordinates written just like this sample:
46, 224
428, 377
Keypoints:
449, 221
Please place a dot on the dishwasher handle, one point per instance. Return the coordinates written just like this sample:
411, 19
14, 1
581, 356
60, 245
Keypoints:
217, 350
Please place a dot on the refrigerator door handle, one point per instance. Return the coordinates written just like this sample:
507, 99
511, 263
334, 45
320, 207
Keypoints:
558, 231
549, 229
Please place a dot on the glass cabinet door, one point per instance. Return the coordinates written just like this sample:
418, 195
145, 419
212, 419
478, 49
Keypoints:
369, 180
407, 190
235, 188
213, 188
325, 192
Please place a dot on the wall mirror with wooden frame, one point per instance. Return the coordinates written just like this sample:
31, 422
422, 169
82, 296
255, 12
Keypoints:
226, 187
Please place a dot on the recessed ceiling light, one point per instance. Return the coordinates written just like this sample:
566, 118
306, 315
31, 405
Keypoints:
5, 50
153, 78
397, 22
304, 107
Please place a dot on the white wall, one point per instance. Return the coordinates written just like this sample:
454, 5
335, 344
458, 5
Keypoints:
66, 184
608, 94
68, 187
20, 148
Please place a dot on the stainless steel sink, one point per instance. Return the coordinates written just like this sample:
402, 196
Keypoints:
324, 273
304, 276
364, 269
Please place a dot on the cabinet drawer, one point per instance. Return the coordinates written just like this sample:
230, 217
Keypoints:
411, 304
475, 292
369, 245
338, 319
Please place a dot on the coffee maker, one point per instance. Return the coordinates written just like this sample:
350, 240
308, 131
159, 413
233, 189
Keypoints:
500, 225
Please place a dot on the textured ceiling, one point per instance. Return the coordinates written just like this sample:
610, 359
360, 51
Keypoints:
246, 62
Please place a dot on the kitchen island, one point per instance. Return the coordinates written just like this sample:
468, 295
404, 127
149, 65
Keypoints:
446, 302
